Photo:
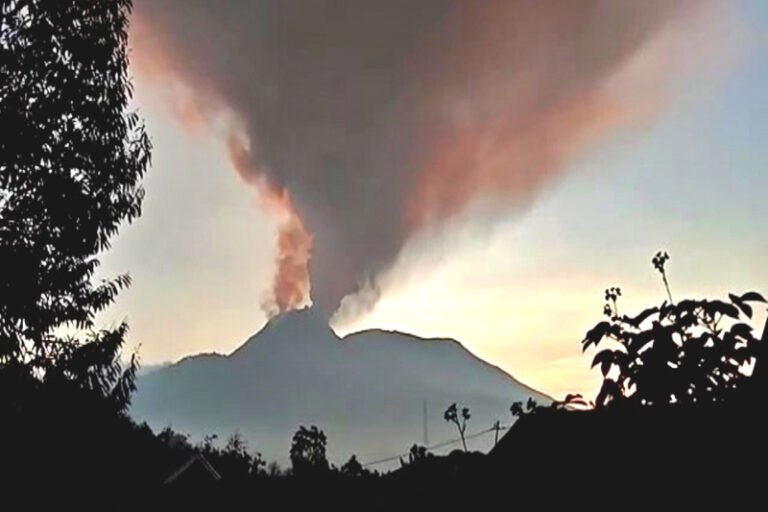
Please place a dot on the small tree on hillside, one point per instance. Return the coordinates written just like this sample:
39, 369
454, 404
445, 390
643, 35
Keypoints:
686, 352
460, 420
71, 159
518, 411
416, 453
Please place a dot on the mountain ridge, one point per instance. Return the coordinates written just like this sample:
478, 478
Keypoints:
367, 389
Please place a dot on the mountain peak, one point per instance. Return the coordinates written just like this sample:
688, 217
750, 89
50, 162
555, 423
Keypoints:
305, 323
299, 327
307, 317
368, 393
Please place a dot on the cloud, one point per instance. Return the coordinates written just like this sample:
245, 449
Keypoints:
369, 121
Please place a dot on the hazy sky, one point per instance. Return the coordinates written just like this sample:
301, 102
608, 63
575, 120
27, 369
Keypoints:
520, 291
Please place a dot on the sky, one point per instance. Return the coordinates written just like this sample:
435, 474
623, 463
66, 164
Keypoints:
518, 282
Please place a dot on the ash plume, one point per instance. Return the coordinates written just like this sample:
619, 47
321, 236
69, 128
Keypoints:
367, 121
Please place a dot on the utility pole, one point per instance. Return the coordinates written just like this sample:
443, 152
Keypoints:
426, 427
496, 427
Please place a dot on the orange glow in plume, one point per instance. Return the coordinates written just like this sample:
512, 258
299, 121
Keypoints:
291, 285
196, 110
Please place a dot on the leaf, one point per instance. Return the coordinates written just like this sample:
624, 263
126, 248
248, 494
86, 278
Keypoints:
687, 320
723, 308
686, 306
642, 317
741, 304
742, 330
636, 342
746, 308
602, 357
752, 297
742, 355
595, 334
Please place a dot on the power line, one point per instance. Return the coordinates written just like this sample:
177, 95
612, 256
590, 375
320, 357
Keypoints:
495, 428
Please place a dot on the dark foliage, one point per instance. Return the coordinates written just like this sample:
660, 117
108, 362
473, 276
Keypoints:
692, 454
695, 350
71, 160
571, 402
518, 410
308, 452
416, 454
233, 461
353, 469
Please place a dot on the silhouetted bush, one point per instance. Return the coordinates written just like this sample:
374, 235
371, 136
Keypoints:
695, 350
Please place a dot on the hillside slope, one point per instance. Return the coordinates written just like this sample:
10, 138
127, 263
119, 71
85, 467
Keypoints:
367, 391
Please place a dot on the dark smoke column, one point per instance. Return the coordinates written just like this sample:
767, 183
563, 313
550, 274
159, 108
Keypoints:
366, 121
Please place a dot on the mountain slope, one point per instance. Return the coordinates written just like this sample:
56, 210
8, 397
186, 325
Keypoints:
367, 391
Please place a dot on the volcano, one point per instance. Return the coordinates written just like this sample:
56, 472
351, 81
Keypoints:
374, 393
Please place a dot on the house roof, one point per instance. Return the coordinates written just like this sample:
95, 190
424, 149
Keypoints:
199, 459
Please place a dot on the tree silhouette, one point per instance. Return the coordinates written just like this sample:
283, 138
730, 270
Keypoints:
518, 411
238, 461
308, 451
416, 453
273, 470
685, 352
208, 443
460, 420
353, 469
233, 461
71, 159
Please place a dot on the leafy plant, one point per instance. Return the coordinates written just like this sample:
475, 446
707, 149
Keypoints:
460, 420
518, 411
660, 264
696, 350
571, 402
